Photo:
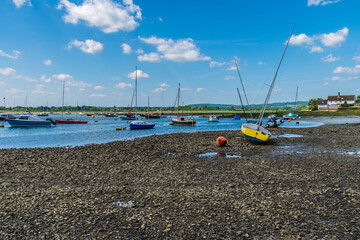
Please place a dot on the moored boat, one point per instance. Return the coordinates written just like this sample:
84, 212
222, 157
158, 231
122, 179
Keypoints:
6, 116
213, 118
181, 121
141, 125
70, 121
43, 114
29, 121
128, 117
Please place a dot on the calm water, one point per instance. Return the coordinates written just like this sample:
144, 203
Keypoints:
104, 131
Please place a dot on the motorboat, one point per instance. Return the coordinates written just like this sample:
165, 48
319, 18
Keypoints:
29, 121
292, 116
213, 118
6, 116
43, 114
70, 121
274, 121
141, 125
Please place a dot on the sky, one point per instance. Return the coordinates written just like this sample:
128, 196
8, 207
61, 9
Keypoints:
95, 45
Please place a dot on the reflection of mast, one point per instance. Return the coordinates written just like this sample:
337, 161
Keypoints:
242, 84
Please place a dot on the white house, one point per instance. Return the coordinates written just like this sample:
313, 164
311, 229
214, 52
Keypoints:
334, 102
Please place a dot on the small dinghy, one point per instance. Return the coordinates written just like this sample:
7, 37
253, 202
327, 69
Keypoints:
135, 125
274, 121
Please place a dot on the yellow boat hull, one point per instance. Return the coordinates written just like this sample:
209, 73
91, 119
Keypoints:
255, 135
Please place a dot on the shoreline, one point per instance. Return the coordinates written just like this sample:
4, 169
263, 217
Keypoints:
158, 187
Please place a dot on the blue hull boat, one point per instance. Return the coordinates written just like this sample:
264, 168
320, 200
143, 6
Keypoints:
136, 125
29, 121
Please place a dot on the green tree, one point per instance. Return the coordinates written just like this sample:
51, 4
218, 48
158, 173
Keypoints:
345, 104
313, 104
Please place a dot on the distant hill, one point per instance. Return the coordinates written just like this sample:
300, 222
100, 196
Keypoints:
279, 104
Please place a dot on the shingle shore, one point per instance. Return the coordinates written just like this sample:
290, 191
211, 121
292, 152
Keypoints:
156, 187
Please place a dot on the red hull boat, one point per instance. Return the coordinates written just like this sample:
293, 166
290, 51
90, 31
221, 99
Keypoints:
70, 121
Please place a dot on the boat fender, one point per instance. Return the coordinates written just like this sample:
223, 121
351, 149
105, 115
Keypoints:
49, 119
289, 120
171, 123
93, 116
232, 119
96, 120
262, 126
118, 128
221, 141
297, 122
1, 125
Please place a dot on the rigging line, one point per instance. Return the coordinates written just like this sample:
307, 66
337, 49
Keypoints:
242, 84
273, 82
242, 105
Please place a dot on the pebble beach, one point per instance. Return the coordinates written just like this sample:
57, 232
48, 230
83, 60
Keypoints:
182, 186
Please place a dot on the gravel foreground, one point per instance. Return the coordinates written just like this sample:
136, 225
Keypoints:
158, 188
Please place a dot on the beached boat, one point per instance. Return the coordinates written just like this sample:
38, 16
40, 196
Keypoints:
181, 120
292, 116
213, 118
254, 131
137, 125
68, 120
273, 121
29, 121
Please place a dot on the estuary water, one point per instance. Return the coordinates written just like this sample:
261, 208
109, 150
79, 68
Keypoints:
104, 130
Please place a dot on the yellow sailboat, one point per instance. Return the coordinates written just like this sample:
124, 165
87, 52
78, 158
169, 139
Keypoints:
254, 131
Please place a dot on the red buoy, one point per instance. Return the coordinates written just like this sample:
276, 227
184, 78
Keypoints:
221, 141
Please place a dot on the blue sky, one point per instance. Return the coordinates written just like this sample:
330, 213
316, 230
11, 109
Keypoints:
94, 45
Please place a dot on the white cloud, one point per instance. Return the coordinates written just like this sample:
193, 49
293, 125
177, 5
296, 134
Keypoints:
82, 89
140, 74
232, 68
229, 77
15, 54
7, 71
126, 48
214, 63
99, 87
40, 89
107, 15
160, 19
160, 89
47, 62
316, 49
321, 2
348, 70
260, 63
151, 57
20, 3
88, 46
334, 39
341, 79
326, 83
186, 89
330, 58
69, 80
97, 95
45, 79
139, 51
15, 91
164, 85
277, 89
199, 89
356, 58
301, 39
180, 50
26, 78
123, 85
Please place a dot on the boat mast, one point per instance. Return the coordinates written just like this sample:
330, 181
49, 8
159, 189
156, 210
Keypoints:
62, 103
242, 105
242, 84
296, 96
178, 101
148, 105
136, 90
273, 82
